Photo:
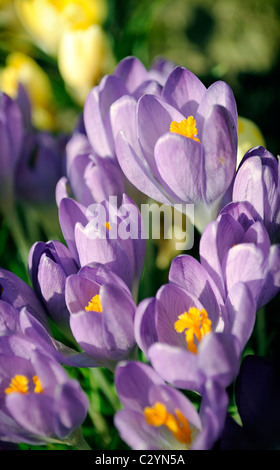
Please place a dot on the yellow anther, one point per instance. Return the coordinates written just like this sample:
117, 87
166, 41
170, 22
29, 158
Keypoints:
196, 323
38, 386
186, 127
19, 383
178, 425
94, 304
108, 226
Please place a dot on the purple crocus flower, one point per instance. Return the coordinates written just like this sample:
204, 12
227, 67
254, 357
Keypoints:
236, 248
49, 266
105, 233
181, 146
187, 331
129, 80
101, 314
17, 293
21, 321
39, 167
258, 182
11, 132
39, 403
91, 178
156, 416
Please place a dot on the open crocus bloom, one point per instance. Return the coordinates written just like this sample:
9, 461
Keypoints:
157, 416
236, 248
39, 402
180, 146
129, 81
189, 333
101, 314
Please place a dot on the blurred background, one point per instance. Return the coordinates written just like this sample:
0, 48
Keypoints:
231, 40
60, 49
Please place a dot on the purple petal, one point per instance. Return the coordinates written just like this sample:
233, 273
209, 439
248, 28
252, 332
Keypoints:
135, 432
219, 145
9, 318
101, 250
118, 319
144, 324
154, 117
19, 294
133, 381
218, 357
123, 118
88, 332
62, 190
246, 263
188, 273
179, 162
70, 213
184, 91
248, 184
172, 302
70, 410
131, 72
175, 365
103, 179
241, 308
33, 412
136, 172
219, 93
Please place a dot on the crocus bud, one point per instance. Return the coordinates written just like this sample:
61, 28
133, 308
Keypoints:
49, 265
258, 182
90, 178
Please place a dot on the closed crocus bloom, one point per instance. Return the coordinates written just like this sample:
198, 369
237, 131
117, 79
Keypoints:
108, 233
21, 69
46, 20
236, 248
180, 146
156, 416
249, 136
189, 334
39, 402
49, 266
258, 182
88, 53
121, 89
39, 168
90, 178
17, 293
101, 314
11, 132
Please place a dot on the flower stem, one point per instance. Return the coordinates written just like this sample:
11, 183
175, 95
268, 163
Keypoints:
18, 235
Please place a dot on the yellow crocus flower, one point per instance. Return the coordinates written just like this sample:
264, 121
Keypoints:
47, 20
83, 57
21, 68
249, 135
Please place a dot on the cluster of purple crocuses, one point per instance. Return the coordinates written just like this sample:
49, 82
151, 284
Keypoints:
158, 133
